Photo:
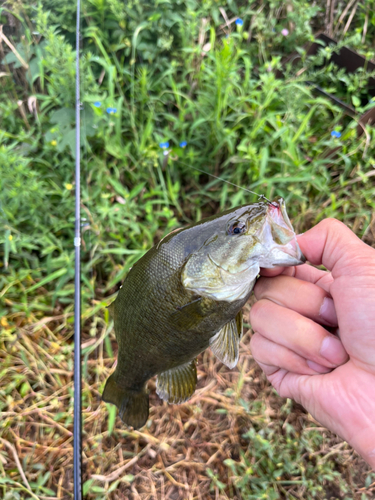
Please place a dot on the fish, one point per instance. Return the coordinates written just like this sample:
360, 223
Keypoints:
186, 294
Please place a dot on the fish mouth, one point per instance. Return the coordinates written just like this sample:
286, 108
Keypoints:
286, 252
293, 251
277, 211
302, 259
286, 256
294, 254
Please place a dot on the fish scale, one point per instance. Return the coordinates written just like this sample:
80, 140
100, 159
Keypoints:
185, 291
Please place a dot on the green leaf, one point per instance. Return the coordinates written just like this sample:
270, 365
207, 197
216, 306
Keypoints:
47, 279
98, 489
368, 480
129, 478
86, 486
304, 124
63, 117
112, 413
263, 162
69, 139
356, 101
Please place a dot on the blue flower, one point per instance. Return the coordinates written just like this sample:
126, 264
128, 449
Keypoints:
164, 145
183, 144
111, 111
97, 104
239, 22
335, 133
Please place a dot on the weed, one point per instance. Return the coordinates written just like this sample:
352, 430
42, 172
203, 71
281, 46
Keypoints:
183, 73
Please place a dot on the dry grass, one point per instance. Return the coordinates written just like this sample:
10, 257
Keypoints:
181, 453
170, 458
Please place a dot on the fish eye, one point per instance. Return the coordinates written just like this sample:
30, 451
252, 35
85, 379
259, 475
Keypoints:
237, 227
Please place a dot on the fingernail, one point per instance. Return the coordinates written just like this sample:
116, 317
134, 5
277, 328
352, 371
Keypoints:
328, 311
333, 351
316, 367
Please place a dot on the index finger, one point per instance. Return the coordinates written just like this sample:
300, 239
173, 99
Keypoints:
306, 272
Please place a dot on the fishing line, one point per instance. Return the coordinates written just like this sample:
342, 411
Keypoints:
77, 415
260, 196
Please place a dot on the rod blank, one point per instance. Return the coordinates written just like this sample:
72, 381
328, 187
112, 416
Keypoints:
77, 425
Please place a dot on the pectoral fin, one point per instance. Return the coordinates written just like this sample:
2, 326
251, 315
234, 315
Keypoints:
225, 344
177, 384
190, 315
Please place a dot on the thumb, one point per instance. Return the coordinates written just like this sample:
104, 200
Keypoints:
335, 246
352, 264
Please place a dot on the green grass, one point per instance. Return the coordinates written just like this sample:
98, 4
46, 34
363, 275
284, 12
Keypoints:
174, 72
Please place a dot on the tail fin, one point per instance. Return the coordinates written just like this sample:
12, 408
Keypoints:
132, 405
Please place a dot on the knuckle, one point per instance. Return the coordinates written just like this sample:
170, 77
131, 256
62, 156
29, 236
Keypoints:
261, 287
257, 310
331, 223
282, 390
255, 343
276, 380
303, 289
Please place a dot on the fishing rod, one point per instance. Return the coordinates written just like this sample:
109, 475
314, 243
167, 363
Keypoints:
77, 415
77, 422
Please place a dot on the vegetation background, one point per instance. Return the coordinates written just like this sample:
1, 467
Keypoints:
177, 71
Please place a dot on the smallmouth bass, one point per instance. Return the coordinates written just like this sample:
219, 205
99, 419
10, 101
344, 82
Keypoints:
186, 294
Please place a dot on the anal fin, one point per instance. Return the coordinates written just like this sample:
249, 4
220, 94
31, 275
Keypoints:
225, 344
177, 384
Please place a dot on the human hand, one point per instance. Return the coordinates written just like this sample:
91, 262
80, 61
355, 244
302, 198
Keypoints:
334, 379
